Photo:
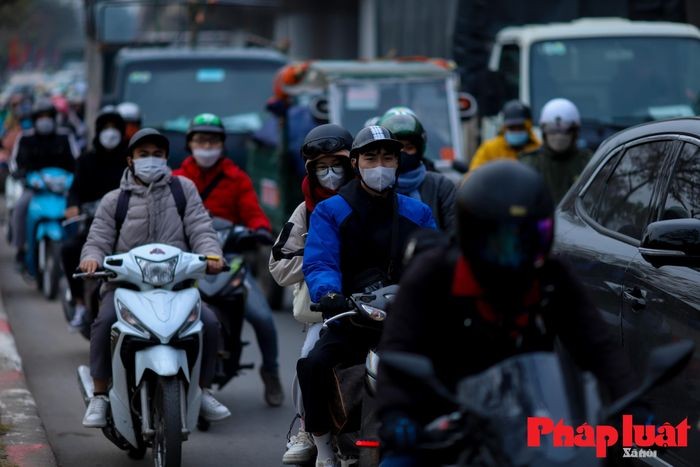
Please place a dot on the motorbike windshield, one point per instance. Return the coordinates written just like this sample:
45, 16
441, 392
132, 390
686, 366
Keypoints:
354, 101
618, 81
527, 385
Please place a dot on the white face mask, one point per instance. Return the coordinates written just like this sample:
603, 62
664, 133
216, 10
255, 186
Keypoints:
150, 169
329, 179
110, 138
44, 125
206, 157
379, 178
559, 142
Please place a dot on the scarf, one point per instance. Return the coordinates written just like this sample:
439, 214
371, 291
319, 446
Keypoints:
409, 182
314, 193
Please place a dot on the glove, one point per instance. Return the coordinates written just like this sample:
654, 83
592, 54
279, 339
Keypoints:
264, 236
332, 304
400, 433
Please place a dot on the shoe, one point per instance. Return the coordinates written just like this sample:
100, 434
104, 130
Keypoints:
330, 462
78, 321
96, 413
273, 387
300, 449
211, 409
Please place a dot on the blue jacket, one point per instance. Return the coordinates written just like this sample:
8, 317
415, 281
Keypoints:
349, 245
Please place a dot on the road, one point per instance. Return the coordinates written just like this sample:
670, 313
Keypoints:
255, 435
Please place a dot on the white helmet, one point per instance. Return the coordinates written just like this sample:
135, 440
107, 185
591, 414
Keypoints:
130, 112
560, 114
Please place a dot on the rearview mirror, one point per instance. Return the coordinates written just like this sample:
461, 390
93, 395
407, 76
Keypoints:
467, 106
672, 242
319, 108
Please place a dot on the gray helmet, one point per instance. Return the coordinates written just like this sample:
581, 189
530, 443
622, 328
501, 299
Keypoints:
374, 134
150, 135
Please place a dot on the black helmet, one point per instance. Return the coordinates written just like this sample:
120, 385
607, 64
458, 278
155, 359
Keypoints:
109, 113
516, 113
374, 134
206, 123
43, 106
406, 126
149, 135
325, 139
505, 223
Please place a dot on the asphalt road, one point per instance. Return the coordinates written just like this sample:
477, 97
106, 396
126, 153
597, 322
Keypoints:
255, 435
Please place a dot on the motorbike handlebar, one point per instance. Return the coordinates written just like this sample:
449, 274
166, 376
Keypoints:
101, 274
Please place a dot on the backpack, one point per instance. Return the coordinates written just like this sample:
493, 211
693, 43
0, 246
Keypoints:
123, 206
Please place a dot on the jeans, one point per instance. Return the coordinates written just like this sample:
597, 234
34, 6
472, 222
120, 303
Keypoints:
259, 315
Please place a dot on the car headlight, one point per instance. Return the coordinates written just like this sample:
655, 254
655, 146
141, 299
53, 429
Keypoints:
157, 273
129, 318
192, 318
374, 313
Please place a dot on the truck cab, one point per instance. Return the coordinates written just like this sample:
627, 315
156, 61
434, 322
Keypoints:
618, 72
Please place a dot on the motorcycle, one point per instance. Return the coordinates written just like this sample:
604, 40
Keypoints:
78, 227
156, 351
355, 423
491, 425
226, 293
44, 231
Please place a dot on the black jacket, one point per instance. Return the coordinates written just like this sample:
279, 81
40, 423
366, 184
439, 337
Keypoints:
97, 173
438, 313
35, 152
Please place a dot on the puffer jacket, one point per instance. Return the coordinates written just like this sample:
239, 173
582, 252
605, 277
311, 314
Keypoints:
287, 254
498, 148
152, 217
438, 192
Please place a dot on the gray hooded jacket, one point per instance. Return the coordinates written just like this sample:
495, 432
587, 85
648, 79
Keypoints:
152, 217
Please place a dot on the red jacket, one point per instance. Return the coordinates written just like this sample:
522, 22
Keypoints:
233, 198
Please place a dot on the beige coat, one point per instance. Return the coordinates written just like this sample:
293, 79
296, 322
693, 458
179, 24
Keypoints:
152, 217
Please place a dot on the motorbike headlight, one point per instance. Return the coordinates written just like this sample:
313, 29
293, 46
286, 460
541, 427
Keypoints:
129, 318
374, 313
55, 184
192, 318
157, 273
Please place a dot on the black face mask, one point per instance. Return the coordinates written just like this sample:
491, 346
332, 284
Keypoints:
408, 162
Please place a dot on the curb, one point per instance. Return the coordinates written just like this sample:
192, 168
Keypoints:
26, 444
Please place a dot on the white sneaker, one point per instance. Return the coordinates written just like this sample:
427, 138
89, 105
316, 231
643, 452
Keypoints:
96, 413
211, 409
300, 449
330, 462
78, 320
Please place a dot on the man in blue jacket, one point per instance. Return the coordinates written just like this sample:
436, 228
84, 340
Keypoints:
355, 243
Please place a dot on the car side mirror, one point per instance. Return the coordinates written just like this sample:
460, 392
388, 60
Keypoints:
673, 242
467, 106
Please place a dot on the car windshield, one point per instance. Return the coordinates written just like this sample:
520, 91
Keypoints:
353, 102
171, 93
619, 81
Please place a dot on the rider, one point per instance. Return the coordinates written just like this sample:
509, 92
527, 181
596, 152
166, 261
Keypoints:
131, 113
152, 215
40, 147
415, 180
559, 159
227, 192
326, 154
354, 245
97, 172
515, 137
495, 294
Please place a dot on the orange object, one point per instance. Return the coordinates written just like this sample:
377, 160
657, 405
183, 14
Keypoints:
447, 153
288, 75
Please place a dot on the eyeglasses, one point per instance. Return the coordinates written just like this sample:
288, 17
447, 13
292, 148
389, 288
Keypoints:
326, 145
323, 171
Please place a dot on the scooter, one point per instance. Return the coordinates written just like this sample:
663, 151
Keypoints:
44, 231
491, 425
78, 227
156, 351
356, 427
226, 294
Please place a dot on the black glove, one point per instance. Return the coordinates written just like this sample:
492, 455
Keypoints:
400, 433
264, 236
332, 304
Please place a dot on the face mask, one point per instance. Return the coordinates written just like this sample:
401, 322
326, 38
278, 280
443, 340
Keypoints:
409, 162
44, 125
329, 179
559, 142
517, 138
150, 169
379, 178
206, 157
110, 138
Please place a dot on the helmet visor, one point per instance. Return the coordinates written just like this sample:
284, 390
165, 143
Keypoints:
326, 145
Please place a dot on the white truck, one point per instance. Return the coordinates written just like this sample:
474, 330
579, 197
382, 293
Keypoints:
618, 72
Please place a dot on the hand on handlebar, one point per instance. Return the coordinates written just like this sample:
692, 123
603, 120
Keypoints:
332, 304
215, 264
89, 266
264, 236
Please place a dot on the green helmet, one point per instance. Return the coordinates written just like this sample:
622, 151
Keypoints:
206, 123
399, 109
406, 126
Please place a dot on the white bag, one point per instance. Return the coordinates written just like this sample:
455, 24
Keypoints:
301, 305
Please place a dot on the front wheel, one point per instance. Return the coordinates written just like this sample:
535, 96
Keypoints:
167, 423
51, 270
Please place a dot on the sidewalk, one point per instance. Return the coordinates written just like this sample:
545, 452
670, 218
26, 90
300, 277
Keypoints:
26, 444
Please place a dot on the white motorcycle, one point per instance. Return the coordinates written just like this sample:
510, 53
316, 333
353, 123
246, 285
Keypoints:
156, 351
